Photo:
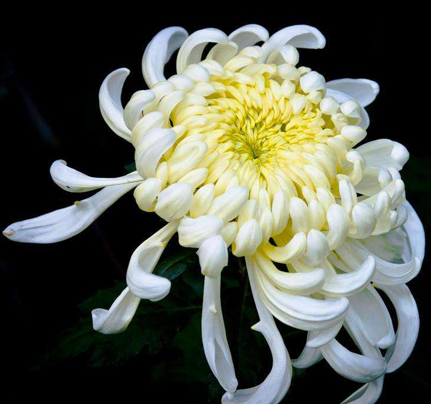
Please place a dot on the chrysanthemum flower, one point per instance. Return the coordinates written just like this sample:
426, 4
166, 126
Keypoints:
244, 149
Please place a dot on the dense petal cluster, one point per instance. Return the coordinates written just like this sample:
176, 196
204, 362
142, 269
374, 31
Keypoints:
244, 148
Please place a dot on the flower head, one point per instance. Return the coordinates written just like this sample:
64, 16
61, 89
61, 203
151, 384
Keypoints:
247, 149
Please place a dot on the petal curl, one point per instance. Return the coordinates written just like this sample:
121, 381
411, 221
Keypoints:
364, 91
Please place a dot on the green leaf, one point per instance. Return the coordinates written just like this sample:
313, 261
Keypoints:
130, 167
174, 265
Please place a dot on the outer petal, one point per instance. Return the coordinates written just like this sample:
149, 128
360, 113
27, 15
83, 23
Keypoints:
214, 338
62, 224
110, 102
276, 384
191, 51
308, 357
300, 36
159, 51
364, 91
415, 233
408, 325
384, 154
118, 317
248, 35
140, 279
73, 181
213, 256
367, 394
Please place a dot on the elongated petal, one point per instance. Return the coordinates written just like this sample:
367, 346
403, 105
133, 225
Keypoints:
193, 232
367, 394
364, 91
317, 339
159, 51
62, 224
140, 279
214, 338
371, 314
118, 317
348, 284
300, 36
298, 311
110, 102
355, 367
295, 283
276, 384
415, 233
408, 325
308, 357
74, 181
248, 35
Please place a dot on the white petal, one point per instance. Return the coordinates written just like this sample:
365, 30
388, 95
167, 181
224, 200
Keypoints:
140, 279
291, 282
276, 384
213, 256
307, 358
192, 48
193, 232
174, 202
300, 36
110, 102
298, 311
355, 367
371, 314
384, 154
159, 51
347, 284
248, 35
135, 107
341, 97
151, 148
408, 325
367, 394
415, 232
118, 317
364, 91
214, 339
228, 205
73, 181
62, 224
248, 239
317, 339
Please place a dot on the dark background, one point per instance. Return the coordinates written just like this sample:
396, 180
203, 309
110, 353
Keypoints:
52, 64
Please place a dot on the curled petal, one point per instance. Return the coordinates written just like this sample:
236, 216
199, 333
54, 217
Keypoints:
159, 51
214, 339
298, 311
110, 102
355, 367
341, 98
140, 279
291, 282
135, 107
248, 239
192, 48
65, 223
118, 317
276, 384
408, 325
367, 394
248, 35
155, 143
300, 36
213, 256
317, 339
174, 201
73, 181
292, 251
228, 205
348, 284
415, 233
364, 91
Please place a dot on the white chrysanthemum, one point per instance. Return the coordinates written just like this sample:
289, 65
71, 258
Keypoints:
245, 149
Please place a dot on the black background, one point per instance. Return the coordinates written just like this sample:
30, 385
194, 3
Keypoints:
52, 64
